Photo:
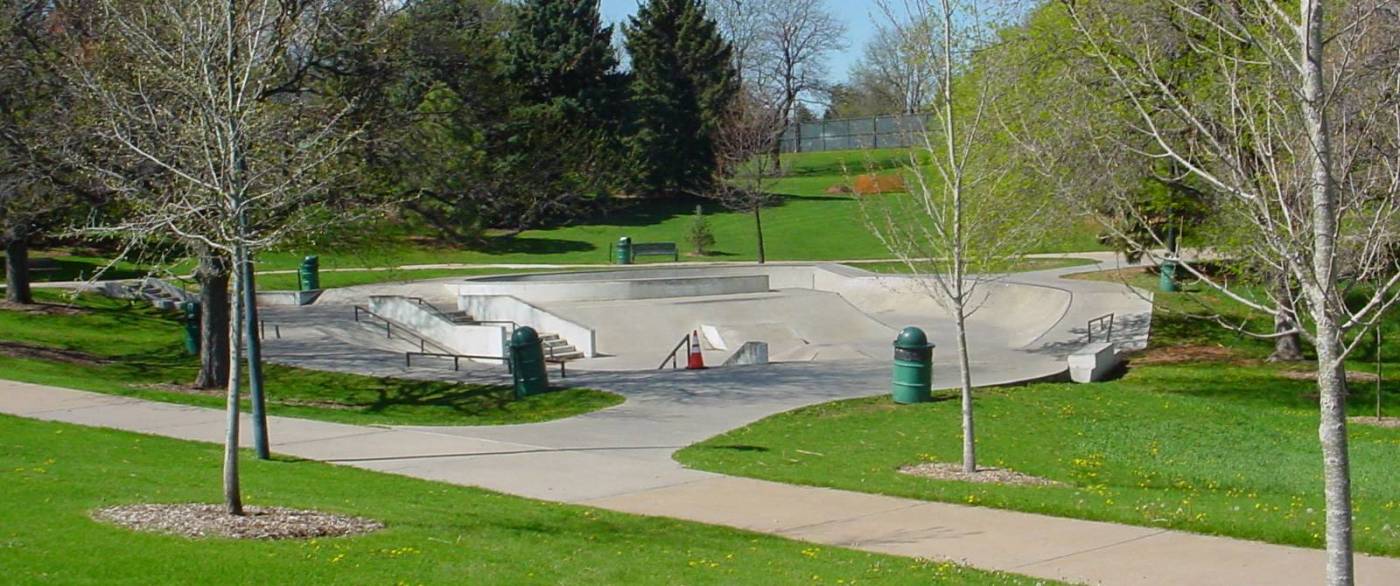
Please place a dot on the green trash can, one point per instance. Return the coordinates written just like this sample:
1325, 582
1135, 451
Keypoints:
622, 253
192, 313
913, 367
527, 367
1166, 276
310, 273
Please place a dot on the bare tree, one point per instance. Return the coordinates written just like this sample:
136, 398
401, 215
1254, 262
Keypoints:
896, 62
743, 23
961, 221
1294, 139
748, 161
781, 49
211, 136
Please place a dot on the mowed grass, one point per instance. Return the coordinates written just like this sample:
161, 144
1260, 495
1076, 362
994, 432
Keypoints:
1209, 448
806, 223
135, 350
52, 475
1199, 435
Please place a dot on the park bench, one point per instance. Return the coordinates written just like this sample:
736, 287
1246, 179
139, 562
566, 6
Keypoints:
652, 249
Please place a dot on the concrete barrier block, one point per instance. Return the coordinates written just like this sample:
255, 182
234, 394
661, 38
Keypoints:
1093, 363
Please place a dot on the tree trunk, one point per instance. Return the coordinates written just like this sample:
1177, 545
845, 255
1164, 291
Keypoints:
1287, 347
255, 379
758, 225
1332, 428
213, 278
233, 498
17, 270
969, 457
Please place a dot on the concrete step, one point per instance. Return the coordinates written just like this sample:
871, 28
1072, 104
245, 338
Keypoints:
559, 357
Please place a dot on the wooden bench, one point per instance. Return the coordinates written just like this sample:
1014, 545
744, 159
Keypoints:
652, 249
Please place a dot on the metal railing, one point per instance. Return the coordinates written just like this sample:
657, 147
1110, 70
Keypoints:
262, 329
389, 326
456, 358
685, 342
1105, 325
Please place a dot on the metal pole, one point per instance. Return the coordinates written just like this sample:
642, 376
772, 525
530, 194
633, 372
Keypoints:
255, 377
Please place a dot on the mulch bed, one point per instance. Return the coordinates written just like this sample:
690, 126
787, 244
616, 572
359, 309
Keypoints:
22, 350
983, 475
204, 520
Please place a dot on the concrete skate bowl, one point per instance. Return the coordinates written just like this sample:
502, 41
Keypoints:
803, 312
616, 285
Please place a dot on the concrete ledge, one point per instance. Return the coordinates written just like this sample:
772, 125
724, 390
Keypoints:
1093, 363
612, 285
751, 353
288, 298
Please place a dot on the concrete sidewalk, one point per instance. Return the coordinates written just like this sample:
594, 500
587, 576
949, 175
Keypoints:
1035, 545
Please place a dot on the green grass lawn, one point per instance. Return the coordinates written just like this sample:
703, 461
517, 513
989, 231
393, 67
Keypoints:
1200, 435
52, 475
806, 223
1205, 448
135, 350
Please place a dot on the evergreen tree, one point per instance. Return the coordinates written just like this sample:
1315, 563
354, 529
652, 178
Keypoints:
683, 82
562, 67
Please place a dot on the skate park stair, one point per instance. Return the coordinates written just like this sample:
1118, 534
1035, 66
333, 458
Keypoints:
557, 349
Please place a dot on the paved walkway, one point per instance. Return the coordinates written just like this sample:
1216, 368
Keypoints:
1036, 545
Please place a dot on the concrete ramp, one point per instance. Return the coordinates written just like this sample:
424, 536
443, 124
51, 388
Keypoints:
796, 324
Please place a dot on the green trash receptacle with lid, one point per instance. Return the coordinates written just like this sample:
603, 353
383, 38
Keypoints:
192, 315
913, 367
622, 252
310, 273
527, 365
1166, 276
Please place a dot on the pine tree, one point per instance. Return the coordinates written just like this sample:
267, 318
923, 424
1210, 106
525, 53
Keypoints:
560, 55
561, 65
683, 82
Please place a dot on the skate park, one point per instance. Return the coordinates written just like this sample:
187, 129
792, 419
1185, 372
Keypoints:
630, 319
829, 330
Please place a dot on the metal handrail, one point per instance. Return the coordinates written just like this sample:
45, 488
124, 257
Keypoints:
1108, 319
456, 358
685, 341
389, 326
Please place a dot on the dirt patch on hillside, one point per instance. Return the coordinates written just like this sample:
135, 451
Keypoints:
1180, 354
201, 520
1386, 422
983, 475
22, 350
42, 308
1352, 376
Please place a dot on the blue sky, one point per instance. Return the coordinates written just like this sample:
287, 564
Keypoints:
855, 13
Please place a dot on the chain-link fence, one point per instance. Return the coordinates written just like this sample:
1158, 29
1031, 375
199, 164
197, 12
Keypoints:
876, 132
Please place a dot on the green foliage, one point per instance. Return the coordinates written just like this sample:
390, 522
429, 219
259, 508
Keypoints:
699, 234
683, 82
435, 533
560, 62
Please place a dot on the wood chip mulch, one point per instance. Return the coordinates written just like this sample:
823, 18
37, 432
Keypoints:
983, 475
204, 520
1386, 422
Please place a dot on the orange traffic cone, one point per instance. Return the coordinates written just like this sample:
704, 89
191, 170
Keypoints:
696, 360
